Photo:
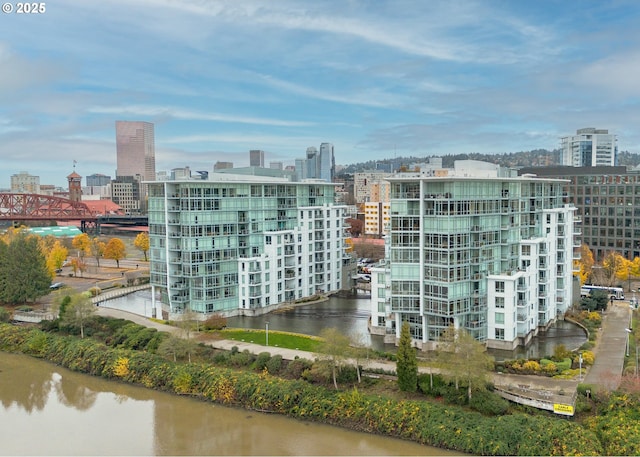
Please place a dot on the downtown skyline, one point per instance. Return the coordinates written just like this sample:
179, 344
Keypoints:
377, 80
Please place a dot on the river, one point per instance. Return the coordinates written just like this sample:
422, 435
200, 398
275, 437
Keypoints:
48, 410
351, 316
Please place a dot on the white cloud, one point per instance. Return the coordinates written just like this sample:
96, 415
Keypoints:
185, 114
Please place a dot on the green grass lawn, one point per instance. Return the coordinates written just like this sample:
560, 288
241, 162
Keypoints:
279, 339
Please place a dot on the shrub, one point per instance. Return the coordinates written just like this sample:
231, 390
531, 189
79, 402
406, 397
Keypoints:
563, 365
583, 388
531, 367
456, 396
319, 373
489, 403
550, 368
594, 317
432, 385
274, 364
560, 353
5, 316
587, 358
241, 359
587, 345
296, 367
95, 291
261, 361
221, 358
215, 322
347, 374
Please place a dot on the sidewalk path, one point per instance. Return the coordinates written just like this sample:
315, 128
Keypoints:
605, 372
611, 345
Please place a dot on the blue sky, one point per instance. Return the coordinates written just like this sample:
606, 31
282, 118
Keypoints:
375, 78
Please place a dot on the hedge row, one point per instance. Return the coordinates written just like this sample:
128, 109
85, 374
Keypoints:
419, 421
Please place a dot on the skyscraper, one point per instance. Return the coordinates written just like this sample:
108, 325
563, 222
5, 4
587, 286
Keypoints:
590, 147
136, 152
317, 164
256, 158
327, 168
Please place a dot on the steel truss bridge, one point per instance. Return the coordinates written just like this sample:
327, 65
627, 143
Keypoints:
34, 207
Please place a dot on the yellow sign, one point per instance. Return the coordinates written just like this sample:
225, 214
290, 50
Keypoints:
566, 410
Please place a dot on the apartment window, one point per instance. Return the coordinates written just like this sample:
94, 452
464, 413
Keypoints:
499, 318
499, 334
267, 240
500, 286
500, 302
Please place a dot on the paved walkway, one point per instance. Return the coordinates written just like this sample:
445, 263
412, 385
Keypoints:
611, 347
605, 372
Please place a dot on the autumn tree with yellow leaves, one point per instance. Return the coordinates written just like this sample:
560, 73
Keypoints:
142, 243
115, 250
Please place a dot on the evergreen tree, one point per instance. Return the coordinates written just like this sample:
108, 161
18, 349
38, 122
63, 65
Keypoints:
24, 275
406, 362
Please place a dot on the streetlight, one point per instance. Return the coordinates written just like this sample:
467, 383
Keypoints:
580, 362
267, 332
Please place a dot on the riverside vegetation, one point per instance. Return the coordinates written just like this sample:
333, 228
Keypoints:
120, 350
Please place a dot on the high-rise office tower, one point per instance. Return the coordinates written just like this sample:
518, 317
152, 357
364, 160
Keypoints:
136, 152
312, 162
327, 166
590, 147
256, 158
98, 179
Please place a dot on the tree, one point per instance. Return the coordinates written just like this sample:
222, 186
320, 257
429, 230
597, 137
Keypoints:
56, 257
615, 268
585, 264
335, 348
78, 311
23, 269
97, 248
463, 359
142, 243
78, 264
359, 351
597, 299
115, 250
82, 243
356, 226
172, 347
406, 361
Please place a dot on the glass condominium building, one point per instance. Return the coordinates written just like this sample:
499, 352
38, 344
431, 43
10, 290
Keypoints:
236, 244
492, 256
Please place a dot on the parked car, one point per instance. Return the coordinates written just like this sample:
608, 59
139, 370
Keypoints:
56, 285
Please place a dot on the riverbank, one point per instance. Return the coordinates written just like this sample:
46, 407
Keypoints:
423, 422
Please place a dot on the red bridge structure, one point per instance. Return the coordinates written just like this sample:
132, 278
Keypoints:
35, 207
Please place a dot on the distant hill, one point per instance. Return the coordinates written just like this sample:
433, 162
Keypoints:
534, 158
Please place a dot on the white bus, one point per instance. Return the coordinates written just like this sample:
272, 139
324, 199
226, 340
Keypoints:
616, 292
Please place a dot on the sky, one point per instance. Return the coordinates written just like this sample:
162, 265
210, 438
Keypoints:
377, 79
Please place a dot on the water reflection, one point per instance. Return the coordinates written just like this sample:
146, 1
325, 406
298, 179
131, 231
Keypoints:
351, 316
562, 332
48, 410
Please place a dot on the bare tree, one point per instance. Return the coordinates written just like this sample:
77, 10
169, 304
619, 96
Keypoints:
79, 311
335, 348
461, 358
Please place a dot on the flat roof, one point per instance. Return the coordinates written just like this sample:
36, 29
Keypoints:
59, 231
